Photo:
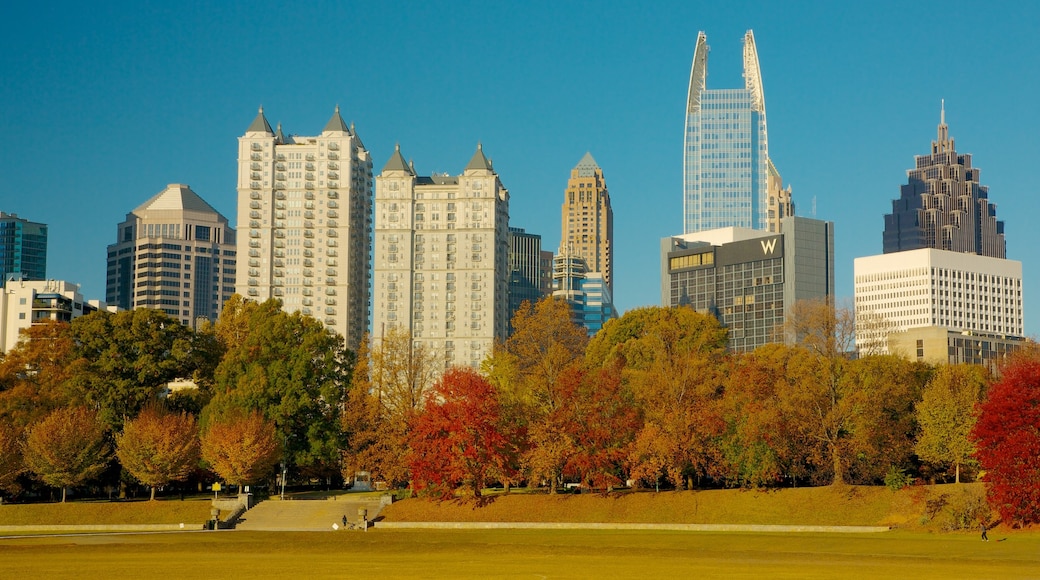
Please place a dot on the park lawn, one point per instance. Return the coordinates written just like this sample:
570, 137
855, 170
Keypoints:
388, 554
824, 506
172, 511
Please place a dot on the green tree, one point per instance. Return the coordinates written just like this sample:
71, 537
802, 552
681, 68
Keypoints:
241, 448
67, 448
158, 447
291, 369
947, 413
123, 360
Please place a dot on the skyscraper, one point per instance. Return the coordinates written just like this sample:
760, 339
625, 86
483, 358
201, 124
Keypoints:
441, 264
728, 178
588, 221
943, 206
305, 210
23, 248
525, 270
173, 253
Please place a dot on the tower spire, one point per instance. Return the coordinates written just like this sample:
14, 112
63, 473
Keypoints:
943, 143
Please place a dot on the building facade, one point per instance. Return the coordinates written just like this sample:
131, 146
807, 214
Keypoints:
24, 303
305, 215
943, 205
586, 291
937, 345
728, 178
525, 270
750, 279
23, 248
441, 264
173, 253
587, 220
924, 288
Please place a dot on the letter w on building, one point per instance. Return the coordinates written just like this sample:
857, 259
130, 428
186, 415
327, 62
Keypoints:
769, 246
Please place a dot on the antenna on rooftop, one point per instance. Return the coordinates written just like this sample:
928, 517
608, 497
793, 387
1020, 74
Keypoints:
814, 207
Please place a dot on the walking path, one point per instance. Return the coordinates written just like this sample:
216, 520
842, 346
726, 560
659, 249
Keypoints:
591, 526
314, 515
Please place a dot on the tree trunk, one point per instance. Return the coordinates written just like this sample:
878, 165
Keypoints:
839, 472
63, 489
153, 494
958, 473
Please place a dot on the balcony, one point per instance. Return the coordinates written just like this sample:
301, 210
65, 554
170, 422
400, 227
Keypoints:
255, 194
279, 177
310, 157
333, 213
254, 282
309, 176
254, 215
333, 195
332, 234
333, 165
333, 156
332, 224
308, 302
254, 243
308, 214
279, 194
279, 167
330, 272
308, 254
254, 263
280, 157
333, 146
333, 175
279, 215
308, 273
279, 243
279, 253
254, 223
253, 292
333, 185
308, 224
306, 312
307, 291
257, 147
308, 185
330, 301
331, 252
279, 263
277, 292
308, 243
279, 234
278, 186
330, 281
308, 195
254, 185
308, 234
256, 157
255, 176
330, 310
279, 273
329, 321
255, 167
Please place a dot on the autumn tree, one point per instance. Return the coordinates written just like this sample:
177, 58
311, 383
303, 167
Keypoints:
123, 360
158, 447
11, 462
34, 374
242, 448
1008, 440
946, 415
292, 370
458, 438
669, 359
402, 371
67, 448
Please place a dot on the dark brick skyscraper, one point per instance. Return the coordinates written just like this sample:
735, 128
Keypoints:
943, 206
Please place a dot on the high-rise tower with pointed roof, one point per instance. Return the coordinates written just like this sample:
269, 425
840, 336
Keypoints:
305, 217
728, 180
943, 205
441, 258
173, 253
587, 229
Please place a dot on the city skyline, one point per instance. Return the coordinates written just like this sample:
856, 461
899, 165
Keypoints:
111, 104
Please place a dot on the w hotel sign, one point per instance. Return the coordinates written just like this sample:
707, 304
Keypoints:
766, 248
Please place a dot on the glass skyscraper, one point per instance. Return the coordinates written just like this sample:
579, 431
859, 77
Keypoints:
728, 180
23, 248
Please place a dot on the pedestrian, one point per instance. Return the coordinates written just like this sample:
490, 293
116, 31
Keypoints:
985, 538
344, 520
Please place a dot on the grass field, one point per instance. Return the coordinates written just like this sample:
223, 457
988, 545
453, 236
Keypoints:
521, 554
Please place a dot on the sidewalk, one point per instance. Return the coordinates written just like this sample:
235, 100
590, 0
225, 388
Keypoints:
591, 526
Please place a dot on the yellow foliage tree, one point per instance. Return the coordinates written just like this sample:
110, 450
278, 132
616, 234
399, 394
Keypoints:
157, 447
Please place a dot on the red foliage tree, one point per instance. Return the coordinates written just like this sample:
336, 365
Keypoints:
458, 437
1008, 435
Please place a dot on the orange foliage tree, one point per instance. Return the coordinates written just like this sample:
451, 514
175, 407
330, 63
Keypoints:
34, 374
11, 463
159, 447
240, 448
458, 438
67, 448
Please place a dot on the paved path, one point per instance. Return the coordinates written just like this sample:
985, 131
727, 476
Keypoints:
592, 526
305, 515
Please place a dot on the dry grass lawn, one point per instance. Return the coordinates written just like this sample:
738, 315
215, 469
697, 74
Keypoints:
195, 511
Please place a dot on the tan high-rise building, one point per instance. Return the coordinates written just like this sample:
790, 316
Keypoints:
441, 265
588, 222
305, 222
173, 253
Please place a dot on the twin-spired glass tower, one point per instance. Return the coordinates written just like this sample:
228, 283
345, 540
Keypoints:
728, 180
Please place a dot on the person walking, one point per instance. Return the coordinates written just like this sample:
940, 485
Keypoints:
985, 538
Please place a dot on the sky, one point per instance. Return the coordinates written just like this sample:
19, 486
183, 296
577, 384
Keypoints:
103, 104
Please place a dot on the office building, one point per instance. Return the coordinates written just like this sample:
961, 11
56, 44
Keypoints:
24, 303
441, 263
750, 279
525, 270
173, 253
586, 291
728, 178
588, 221
23, 248
950, 291
305, 212
943, 205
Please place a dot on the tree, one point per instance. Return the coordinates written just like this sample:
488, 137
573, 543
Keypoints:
402, 371
123, 360
1008, 437
458, 438
11, 463
34, 374
292, 370
241, 448
947, 414
669, 360
158, 447
67, 448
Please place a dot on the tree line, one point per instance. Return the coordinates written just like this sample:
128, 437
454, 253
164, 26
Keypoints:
654, 400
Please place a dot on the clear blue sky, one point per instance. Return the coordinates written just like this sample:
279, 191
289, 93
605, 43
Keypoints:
102, 104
